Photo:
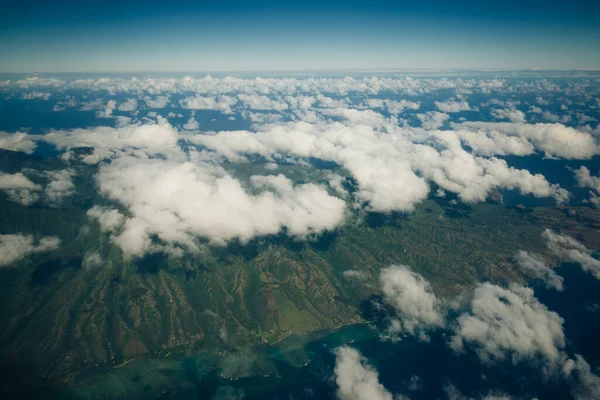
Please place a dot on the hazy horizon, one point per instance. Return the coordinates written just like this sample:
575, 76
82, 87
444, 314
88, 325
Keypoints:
233, 35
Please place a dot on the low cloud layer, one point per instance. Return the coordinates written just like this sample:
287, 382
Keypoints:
554, 140
568, 249
510, 323
14, 248
355, 378
22, 190
19, 188
180, 201
18, 141
535, 266
411, 297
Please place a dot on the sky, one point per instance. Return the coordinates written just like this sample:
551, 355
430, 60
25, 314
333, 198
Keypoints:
237, 35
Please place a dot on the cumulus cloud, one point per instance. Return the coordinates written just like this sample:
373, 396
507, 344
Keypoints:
355, 378
221, 103
18, 246
493, 142
152, 138
394, 107
60, 185
110, 219
555, 140
261, 102
328, 102
433, 119
473, 178
35, 95
18, 141
585, 179
111, 105
19, 188
505, 323
129, 105
535, 266
511, 114
391, 166
178, 202
191, 124
568, 249
452, 106
386, 179
356, 117
411, 297
586, 384
157, 102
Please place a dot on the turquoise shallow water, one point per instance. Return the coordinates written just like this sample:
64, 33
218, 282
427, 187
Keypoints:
301, 366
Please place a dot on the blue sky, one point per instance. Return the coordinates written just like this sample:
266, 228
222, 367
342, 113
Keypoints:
234, 35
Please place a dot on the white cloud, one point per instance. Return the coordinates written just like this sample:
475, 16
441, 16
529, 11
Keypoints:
181, 201
356, 117
111, 105
509, 113
18, 246
586, 384
35, 95
511, 323
152, 138
129, 105
585, 179
491, 143
157, 102
385, 161
328, 102
555, 140
60, 186
432, 119
261, 102
535, 266
191, 125
96, 104
394, 107
222, 103
569, 249
411, 296
472, 178
110, 220
18, 141
355, 378
19, 188
452, 106
39, 81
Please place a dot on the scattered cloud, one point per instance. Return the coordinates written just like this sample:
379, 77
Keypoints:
555, 140
535, 266
568, 249
19, 188
18, 141
18, 246
355, 378
452, 106
181, 201
510, 323
412, 298
129, 105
